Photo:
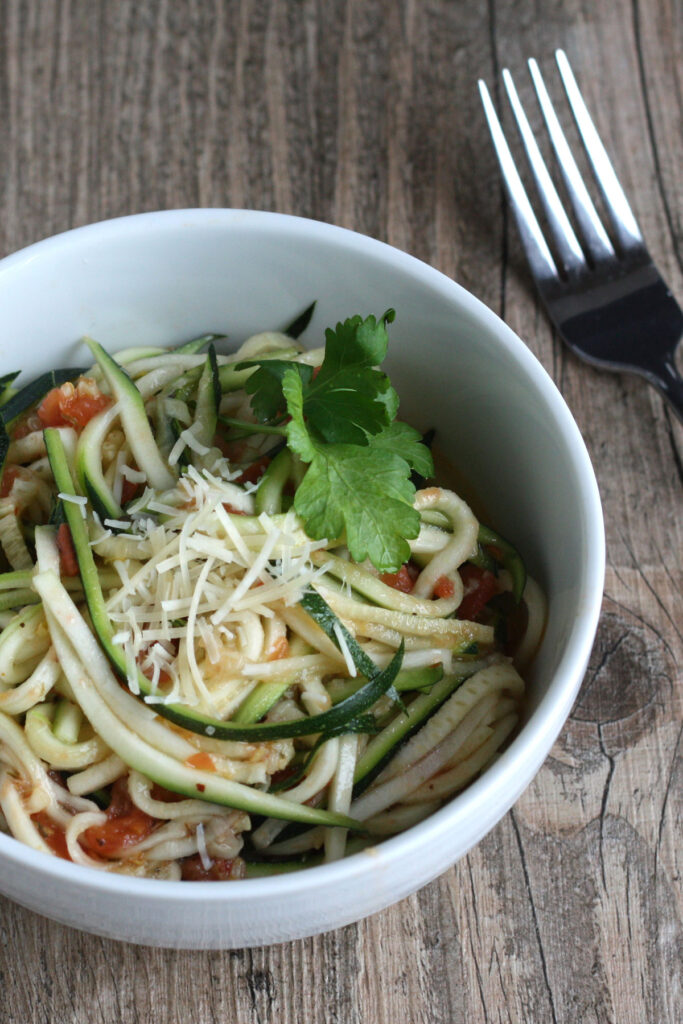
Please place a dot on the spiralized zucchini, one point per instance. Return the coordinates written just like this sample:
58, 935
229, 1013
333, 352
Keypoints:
178, 655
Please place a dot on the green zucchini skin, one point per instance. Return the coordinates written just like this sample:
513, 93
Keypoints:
208, 400
271, 485
260, 701
134, 419
101, 501
37, 389
511, 560
421, 679
234, 376
88, 465
6, 389
379, 753
300, 322
266, 869
320, 611
17, 599
4, 447
379, 682
190, 348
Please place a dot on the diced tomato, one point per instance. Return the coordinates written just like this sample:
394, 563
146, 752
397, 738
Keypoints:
316, 371
165, 677
201, 760
404, 579
52, 833
159, 793
129, 490
68, 563
444, 587
280, 649
9, 475
220, 870
254, 472
223, 446
126, 825
72, 406
480, 586
283, 775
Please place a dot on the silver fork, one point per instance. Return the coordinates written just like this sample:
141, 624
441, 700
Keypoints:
606, 298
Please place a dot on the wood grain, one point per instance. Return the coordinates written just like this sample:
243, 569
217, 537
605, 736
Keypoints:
366, 114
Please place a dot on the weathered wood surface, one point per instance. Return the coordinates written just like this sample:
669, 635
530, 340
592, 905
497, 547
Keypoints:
366, 114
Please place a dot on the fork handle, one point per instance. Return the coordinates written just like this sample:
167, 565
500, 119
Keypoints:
669, 383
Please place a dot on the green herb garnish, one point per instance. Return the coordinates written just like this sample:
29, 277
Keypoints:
342, 423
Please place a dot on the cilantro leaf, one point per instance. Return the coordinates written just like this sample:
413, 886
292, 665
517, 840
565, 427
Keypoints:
362, 491
357, 342
348, 399
298, 438
265, 386
405, 441
348, 404
365, 493
342, 424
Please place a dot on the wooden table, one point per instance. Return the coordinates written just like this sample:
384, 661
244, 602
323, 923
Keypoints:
366, 114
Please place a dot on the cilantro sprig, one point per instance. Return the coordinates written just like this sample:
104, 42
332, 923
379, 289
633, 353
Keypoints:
341, 422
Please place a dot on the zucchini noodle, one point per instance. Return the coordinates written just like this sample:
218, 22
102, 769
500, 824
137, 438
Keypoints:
178, 656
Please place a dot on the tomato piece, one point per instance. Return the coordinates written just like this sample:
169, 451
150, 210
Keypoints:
224, 446
444, 587
52, 833
129, 490
165, 678
126, 825
202, 761
480, 586
68, 563
50, 409
404, 579
160, 793
72, 406
283, 775
220, 870
254, 472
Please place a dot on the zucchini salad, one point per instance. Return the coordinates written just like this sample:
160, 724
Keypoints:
242, 632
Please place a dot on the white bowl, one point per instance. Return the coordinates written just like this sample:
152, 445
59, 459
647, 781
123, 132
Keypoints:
161, 278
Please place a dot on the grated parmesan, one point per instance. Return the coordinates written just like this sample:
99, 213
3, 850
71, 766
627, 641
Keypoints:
344, 648
201, 848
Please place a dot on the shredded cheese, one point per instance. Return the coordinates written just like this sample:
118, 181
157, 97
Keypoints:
195, 599
207, 863
344, 648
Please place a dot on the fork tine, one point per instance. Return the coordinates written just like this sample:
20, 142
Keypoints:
625, 227
535, 246
567, 243
592, 232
